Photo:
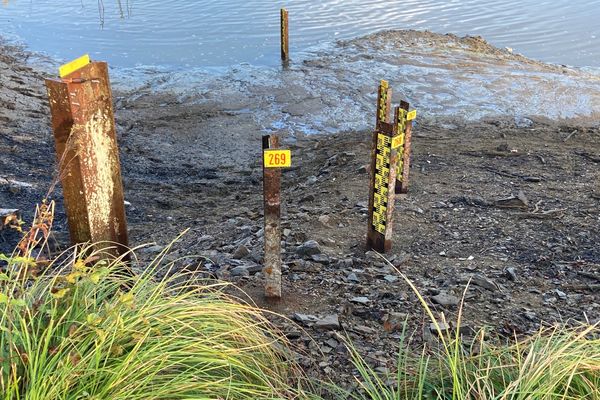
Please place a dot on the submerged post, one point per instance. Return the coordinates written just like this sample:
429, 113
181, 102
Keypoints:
384, 163
285, 45
272, 236
88, 155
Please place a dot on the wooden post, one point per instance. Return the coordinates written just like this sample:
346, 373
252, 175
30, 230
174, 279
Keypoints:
88, 156
402, 128
272, 235
384, 163
384, 101
285, 45
405, 170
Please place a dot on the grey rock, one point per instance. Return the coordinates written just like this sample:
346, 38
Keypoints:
561, 295
205, 238
352, 278
324, 219
307, 199
523, 122
518, 201
345, 263
484, 282
294, 277
530, 315
360, 300
240, 271
152, 249
309, 248
304, 318
365, 330
320, 258
511, 273
311, 180
390, 278
445, 299
253, 268
241, 252
330, 322
443, 327
394, 321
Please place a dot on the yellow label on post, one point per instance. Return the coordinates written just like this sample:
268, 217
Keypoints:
398, 141
74, 65
411, 115
277, 158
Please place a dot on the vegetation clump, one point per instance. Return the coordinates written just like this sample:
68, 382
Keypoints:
84, 331
555, 363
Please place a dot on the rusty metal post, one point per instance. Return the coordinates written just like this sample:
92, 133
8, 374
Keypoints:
88, 156
402, 124
404, 132
384, 163
406, 155
272, 235
384, 101
285, 44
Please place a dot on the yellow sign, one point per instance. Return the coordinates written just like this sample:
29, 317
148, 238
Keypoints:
411, 115
277, 158
398, 141
74, 65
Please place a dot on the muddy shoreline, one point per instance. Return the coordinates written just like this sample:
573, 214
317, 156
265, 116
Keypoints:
195, 165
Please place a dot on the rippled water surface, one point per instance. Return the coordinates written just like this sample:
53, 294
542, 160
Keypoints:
219, 33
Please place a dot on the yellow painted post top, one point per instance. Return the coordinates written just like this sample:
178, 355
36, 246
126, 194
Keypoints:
411, 115
74, 65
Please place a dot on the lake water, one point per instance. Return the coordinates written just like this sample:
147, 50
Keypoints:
221, 33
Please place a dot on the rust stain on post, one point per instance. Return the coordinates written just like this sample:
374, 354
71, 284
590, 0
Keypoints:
88, 156
272, 203
285, 44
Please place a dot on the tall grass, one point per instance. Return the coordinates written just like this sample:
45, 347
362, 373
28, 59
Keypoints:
75, 332
556, 363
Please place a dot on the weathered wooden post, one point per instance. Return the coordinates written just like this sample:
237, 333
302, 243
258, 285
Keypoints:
384, 163
285, 37
384, 101
404, 122
273, 160
87, 152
